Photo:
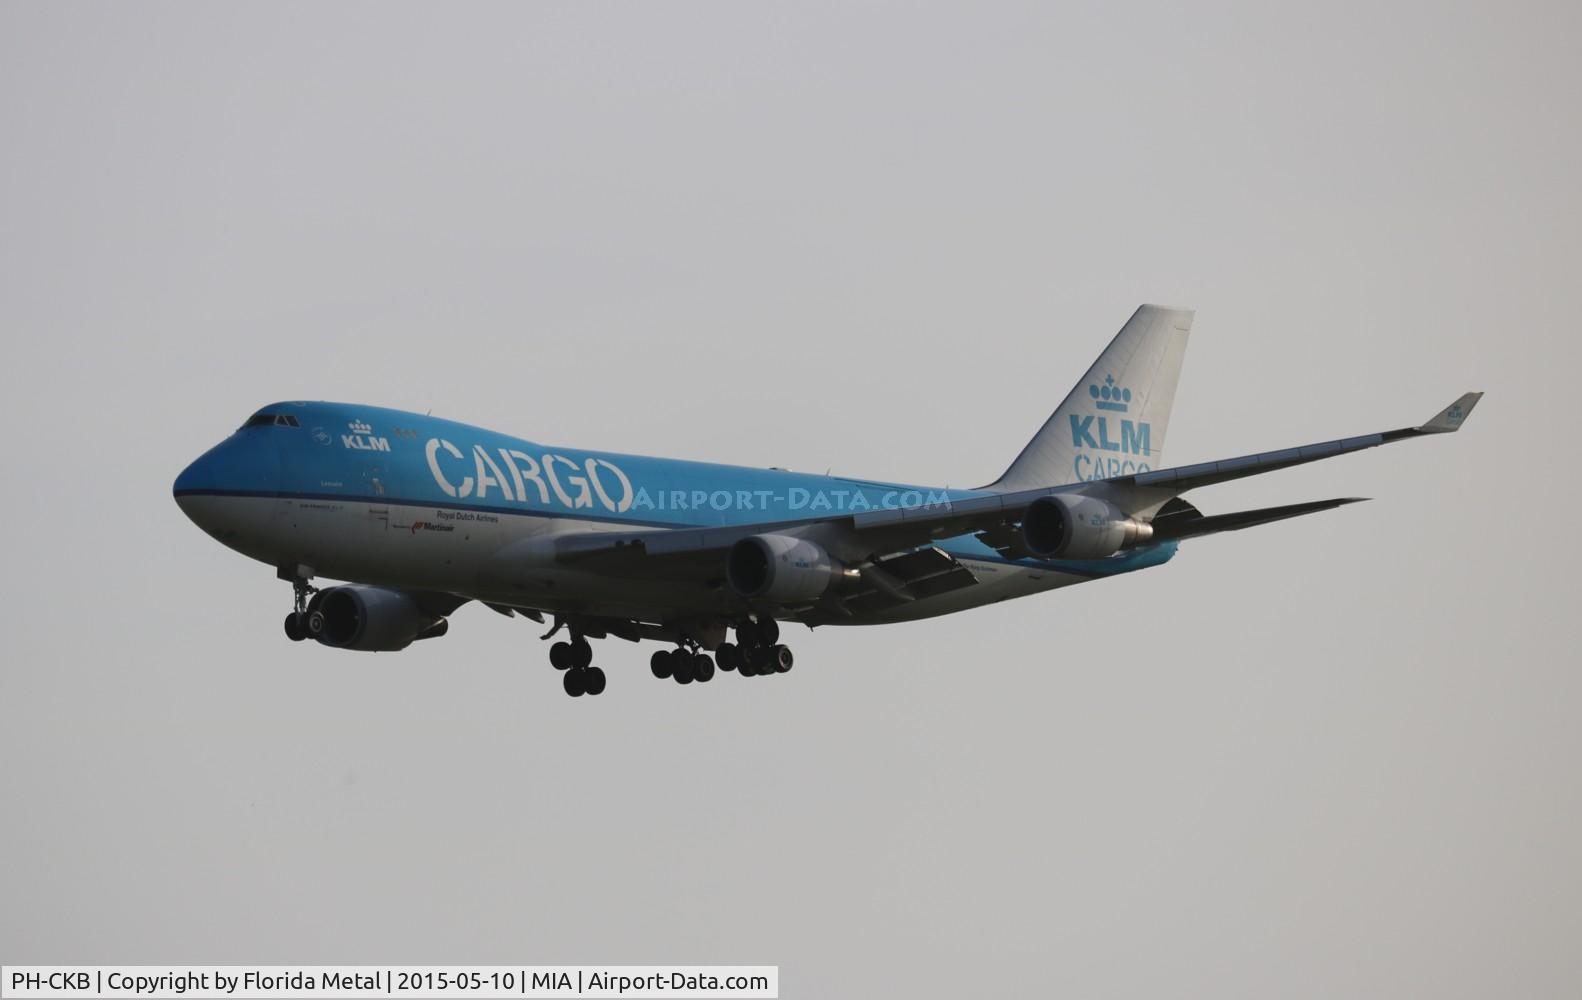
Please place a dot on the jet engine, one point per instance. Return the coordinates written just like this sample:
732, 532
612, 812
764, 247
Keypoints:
1064, 526
780, 568
357, 616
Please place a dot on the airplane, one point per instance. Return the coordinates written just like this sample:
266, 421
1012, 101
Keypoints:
421, 515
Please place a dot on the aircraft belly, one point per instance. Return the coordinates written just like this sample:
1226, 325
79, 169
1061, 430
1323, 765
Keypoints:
463, 552
432, 548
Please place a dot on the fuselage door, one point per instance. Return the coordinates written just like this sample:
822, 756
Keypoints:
376, 483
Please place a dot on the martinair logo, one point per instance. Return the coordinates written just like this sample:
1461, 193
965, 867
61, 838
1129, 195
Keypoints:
417, 526
1124, 447
362, 438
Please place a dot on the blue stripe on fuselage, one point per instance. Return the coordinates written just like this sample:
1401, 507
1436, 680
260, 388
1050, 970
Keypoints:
350, 451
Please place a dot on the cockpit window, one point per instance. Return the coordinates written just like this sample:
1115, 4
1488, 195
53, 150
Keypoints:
271, 420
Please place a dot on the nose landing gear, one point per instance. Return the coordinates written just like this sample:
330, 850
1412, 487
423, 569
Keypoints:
297, 621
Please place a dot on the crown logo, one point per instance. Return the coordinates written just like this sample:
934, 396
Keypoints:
1455, 414
1110, 396
358, 427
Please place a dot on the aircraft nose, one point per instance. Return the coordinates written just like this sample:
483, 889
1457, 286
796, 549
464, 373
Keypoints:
195, 482
193, 478
236, 467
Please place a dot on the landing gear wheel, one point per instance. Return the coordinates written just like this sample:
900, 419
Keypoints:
781, 657
702, 668
681, 666
576, 683
581, 653
560, 657
747, 668
659, 663
727, 656
592, 680
768, 631
305, 598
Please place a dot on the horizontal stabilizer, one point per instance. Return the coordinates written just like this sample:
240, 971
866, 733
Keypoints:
1187, 521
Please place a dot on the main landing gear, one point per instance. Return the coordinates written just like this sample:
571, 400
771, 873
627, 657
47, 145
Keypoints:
682, 665
575, 660
756, 653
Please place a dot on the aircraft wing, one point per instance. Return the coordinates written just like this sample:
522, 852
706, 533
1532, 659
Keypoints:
869, 536
1447, 421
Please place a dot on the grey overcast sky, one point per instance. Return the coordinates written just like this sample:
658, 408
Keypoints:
1335, 757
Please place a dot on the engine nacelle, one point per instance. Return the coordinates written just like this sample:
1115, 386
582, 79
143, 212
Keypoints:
1064, 526
780, 568
357, 616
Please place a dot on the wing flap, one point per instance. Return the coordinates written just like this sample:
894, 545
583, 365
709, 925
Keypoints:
903, 578
1192, 523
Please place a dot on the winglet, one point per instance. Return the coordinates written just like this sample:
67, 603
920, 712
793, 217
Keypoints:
1453, 416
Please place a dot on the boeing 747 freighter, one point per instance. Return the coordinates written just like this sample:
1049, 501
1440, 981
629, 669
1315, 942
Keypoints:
420, 515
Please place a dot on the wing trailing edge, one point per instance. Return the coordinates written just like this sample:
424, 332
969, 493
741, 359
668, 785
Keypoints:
1182, 520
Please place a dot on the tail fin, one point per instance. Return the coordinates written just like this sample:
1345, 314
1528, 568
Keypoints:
1113, 423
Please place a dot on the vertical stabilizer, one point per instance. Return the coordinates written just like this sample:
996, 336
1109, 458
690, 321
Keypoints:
1113, 423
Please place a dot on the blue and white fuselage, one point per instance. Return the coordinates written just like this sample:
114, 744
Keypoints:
403, 500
